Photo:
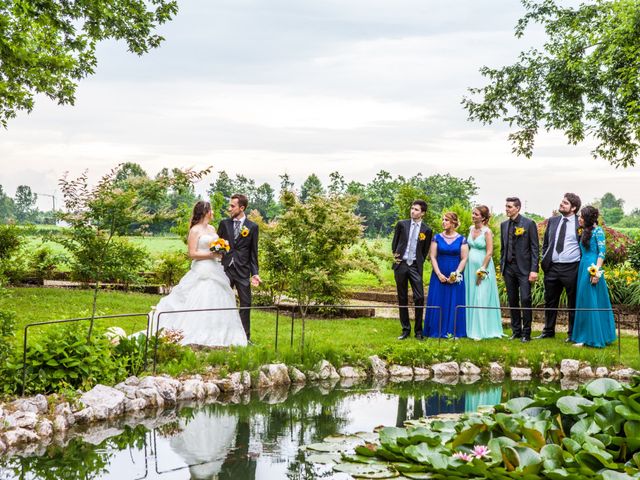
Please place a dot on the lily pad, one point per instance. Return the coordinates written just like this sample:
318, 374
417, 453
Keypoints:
516, 405
551, 456
330, 447
613, 475
367, 471
570, 404
342, 439
603, 387
324, 458
418, 475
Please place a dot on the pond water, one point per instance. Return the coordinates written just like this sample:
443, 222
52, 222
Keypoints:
251, 437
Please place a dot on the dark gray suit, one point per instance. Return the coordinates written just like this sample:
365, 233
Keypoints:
516, 266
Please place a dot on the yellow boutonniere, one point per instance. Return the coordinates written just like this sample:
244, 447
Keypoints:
519, 231
422, 236
579, 231
244, 232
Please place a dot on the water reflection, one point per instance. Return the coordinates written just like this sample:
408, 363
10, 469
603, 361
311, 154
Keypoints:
256, 440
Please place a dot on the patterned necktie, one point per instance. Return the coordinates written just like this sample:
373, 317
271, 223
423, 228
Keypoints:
236, 229
561, 235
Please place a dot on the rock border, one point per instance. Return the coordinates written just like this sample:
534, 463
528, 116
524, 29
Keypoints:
37, 419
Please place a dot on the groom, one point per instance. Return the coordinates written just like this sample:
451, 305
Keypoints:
241, 263
410, 246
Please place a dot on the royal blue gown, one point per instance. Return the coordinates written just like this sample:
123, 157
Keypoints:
595, 328
446, 295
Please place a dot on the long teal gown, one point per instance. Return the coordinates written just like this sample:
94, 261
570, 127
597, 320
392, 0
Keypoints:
595, 328
481, 323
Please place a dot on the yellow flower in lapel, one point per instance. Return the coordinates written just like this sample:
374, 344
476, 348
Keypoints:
422, 236
244, 232
519, 231
579, 231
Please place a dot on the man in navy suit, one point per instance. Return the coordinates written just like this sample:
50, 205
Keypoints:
241, 263
410, 245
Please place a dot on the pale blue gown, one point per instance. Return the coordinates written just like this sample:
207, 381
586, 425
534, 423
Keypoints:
481, 323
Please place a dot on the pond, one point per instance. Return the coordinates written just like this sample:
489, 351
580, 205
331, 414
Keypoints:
256, 436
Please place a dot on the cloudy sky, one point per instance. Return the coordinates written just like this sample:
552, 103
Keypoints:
260, 88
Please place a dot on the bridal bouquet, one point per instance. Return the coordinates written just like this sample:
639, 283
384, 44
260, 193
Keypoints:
482, 273
219, 246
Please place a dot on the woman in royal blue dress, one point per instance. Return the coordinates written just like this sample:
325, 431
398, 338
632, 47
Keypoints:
593, 328
448, 254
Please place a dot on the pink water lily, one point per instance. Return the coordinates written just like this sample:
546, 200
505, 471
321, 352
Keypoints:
465, 457
481, 451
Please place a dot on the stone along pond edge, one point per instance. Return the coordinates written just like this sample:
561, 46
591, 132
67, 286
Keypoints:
41, 420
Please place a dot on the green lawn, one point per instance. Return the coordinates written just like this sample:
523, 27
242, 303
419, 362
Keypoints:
339, 341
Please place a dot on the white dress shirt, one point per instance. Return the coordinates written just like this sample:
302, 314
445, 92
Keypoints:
571, 252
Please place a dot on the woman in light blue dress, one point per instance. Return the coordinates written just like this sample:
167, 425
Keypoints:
593, 328
480, 275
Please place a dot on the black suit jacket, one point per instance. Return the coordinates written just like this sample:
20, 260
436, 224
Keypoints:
526, 246
244, 250
401, 238
549, 239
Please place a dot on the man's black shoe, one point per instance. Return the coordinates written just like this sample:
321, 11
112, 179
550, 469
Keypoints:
544, 335
525, 339
419, 337
404, 336
514, 337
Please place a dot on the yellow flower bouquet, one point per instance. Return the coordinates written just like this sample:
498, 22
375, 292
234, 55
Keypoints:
219, 246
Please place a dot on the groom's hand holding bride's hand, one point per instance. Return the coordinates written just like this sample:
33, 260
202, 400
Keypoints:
255, 280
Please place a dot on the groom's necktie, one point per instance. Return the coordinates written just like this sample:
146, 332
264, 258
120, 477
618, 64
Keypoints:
561, 235
236, 229
511, 257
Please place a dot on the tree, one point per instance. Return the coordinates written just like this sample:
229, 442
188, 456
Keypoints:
47, 47
312, 187
286, 184
7, 207
24, 201
609, 200
97, 215
585, 82
127, 171
337, 184
264, 201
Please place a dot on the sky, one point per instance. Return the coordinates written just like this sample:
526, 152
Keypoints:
260, 88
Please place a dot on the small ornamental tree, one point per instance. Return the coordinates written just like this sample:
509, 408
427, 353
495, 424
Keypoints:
97, 215
309, 249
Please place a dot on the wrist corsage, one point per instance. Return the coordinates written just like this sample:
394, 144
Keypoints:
455, 276
482, 273
595, 271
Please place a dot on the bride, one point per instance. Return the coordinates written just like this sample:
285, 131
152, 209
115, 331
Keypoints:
205, 286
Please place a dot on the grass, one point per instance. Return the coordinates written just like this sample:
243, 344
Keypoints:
341, 342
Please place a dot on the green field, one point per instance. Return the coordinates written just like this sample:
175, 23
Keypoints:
341, 341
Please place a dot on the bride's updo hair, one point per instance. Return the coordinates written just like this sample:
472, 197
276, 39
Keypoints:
200, 209
589, 216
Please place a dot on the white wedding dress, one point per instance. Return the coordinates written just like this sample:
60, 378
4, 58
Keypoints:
205, 286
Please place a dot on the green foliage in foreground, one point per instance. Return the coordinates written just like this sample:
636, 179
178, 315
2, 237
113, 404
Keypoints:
593, 432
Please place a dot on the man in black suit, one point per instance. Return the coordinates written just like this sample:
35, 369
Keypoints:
560, 260
519, 265
241, 263
410, 245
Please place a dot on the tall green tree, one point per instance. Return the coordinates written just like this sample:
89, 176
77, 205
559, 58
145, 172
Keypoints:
25, 201
46, 47
312, 187
337, 184
265, 202
584, 82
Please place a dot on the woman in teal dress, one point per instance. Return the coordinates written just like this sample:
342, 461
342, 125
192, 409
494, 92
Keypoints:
593, 328
481, 285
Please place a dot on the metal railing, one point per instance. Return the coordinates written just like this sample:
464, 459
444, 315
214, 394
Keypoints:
70, 320
616, 316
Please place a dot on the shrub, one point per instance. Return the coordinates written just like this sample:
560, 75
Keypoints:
44, 262
171, 267
13, 267
65, 359
624, 286
634, 254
